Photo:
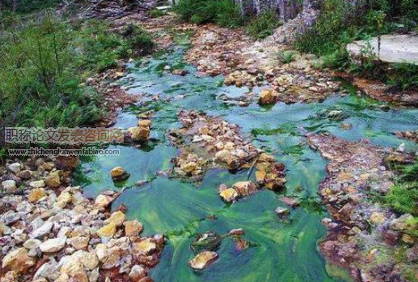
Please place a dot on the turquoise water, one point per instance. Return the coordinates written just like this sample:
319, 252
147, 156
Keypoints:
275, 250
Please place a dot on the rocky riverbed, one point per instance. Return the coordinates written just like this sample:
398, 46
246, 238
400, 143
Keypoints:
371, 240
51, 232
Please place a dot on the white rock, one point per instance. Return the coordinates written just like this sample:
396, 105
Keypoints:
15, 167
42, 231
53, 245
9, 185
32, 244
37, 184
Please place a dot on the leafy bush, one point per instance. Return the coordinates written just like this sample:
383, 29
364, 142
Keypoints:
403, 197
43, 65
155, 13
287, 56
223, 12
404, 76
29, 6
263, 25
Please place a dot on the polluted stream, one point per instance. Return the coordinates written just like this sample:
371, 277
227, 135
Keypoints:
271, 249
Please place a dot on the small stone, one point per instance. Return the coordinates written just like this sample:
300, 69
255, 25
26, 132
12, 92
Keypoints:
244, 188
107, 231
145, 247
289, 201
53, 179
9, 185
268, 96
408, 239
137, 272
119, 174
80, 242
32, 244
203, 260
260, 176
87, 259
53, 245
36, 194
144, 123
116, 218
15, 167
25, 174
42, 231
102, 201
64, 199
18, 260
37, 184
132, 228
377, 218
281, 212
236, 232
229, 195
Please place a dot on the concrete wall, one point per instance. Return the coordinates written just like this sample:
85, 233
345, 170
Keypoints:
286, 9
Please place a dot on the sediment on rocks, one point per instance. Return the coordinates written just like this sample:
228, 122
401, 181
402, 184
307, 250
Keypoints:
364, 236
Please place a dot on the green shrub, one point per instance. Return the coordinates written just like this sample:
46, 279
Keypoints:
223, 12
43, 65
403, 197
404, 76
287, 56
155, 13
263, 25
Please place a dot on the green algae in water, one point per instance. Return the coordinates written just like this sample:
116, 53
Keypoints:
277, 250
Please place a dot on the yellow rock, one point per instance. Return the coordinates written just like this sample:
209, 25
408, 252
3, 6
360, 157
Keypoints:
18, 260
63, 199
107, 231
260, 176
406, 238
229, 195
36, 194
132, 228
53, 179
377, 217
144, 247
188, 167
265, 158
144, 123
80, 242
102, 201
117, 172
116, 218
345, 176
268, 96
244, 188
203, 260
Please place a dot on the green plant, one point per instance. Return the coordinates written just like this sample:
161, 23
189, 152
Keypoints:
155, 13
403, 197
287, 56
223, 12
263, 25
403, 75
43, 66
